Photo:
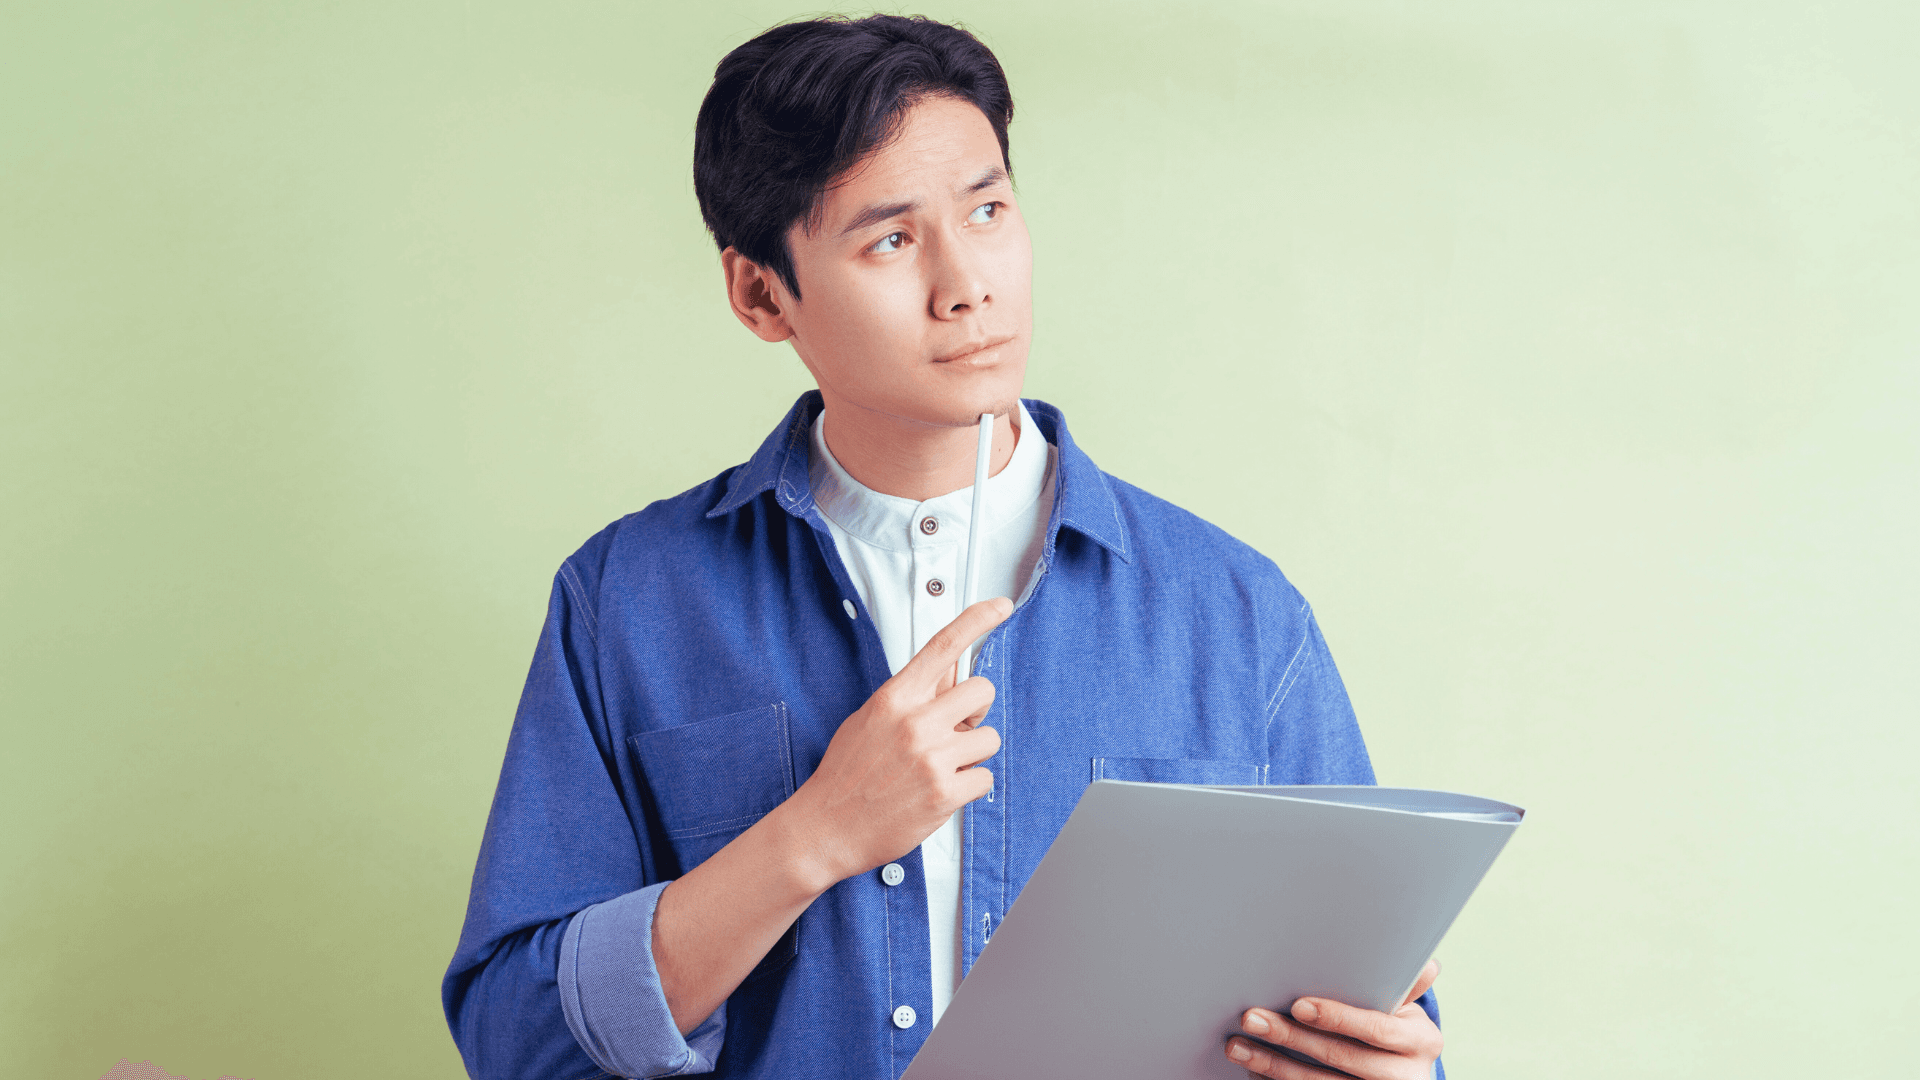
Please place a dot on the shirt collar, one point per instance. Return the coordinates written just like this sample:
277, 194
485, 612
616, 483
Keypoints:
1082, 500
892, 523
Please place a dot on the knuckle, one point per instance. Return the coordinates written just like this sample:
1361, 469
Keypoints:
1342, 1020
1337, 1053
911, 744
1277, 1066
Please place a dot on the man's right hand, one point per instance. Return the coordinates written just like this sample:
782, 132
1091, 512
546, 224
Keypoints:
894, 772
902, 764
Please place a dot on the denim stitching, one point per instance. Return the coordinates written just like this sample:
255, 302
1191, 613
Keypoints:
570, 581
1285, 686
1006, 852
784, 730
1119, 540
893, 1052
709, 828
1273, 698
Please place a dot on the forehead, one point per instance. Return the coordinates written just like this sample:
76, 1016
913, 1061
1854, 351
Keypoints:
942, 145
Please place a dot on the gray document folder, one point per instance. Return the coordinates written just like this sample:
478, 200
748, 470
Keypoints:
1164, 911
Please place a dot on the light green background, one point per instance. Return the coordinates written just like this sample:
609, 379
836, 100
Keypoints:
1566, 356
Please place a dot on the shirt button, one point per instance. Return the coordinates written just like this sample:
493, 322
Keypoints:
893, 873
904, 1016
929, 525
851, 613
935, 586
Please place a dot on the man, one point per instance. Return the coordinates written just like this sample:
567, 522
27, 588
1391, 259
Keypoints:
747, 821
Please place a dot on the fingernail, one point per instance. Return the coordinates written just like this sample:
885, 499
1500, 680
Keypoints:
1257, 1024
1306, 1010
1238, 1051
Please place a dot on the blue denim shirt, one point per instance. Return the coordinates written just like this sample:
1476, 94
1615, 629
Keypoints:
697, 657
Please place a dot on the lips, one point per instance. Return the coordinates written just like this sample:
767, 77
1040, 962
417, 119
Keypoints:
968, 352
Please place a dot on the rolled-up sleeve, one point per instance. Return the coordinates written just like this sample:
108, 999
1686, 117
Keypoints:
610, 992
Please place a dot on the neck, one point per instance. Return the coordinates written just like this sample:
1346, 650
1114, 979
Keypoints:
911, 459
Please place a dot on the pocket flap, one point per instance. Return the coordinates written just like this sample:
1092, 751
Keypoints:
1179, 771
720, 774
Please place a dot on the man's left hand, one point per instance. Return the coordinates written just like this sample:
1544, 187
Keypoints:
1400, 1045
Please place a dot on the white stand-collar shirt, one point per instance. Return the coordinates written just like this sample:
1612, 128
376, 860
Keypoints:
906, 559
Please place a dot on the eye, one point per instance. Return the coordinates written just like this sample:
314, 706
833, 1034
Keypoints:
984, 213
889, 242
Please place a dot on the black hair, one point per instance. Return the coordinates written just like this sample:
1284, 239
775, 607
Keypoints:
795, 107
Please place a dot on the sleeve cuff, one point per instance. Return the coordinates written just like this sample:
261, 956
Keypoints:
610, 992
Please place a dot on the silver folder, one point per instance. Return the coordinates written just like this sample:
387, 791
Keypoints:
1163, 911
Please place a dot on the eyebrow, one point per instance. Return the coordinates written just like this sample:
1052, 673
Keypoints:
879, 212
991, 176
873, 215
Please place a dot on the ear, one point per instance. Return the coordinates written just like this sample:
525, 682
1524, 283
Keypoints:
760, 299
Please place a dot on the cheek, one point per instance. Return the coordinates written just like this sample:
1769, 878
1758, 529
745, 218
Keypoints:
1013, 272
862, 328
883, 306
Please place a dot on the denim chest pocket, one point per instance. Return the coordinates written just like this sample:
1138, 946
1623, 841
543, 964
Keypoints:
710, 780
713, 778
1179, 771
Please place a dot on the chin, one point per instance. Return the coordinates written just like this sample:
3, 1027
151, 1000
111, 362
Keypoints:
943, 402
997, 392
968, 414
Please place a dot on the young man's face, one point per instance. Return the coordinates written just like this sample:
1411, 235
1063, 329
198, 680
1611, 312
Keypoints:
916, 276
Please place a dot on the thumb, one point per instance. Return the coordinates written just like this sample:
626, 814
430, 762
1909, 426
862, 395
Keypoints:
1427, 974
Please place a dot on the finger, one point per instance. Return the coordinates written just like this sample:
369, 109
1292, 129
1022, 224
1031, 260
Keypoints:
1260, 1061
961, 707
1341, 1054
970, 748
1420, 985
975, 783
979, 712
933, 664
1396, 1034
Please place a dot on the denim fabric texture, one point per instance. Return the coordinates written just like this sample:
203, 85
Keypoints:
697, 657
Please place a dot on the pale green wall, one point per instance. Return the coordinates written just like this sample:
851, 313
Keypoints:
1566, 359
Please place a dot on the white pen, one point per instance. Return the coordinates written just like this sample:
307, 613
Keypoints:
970, 581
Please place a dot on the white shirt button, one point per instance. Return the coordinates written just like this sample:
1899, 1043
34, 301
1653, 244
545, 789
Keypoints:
904, 1016
929, 525
893, 873
935, 586
851, 613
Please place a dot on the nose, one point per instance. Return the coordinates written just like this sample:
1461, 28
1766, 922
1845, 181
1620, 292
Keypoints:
959, 286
